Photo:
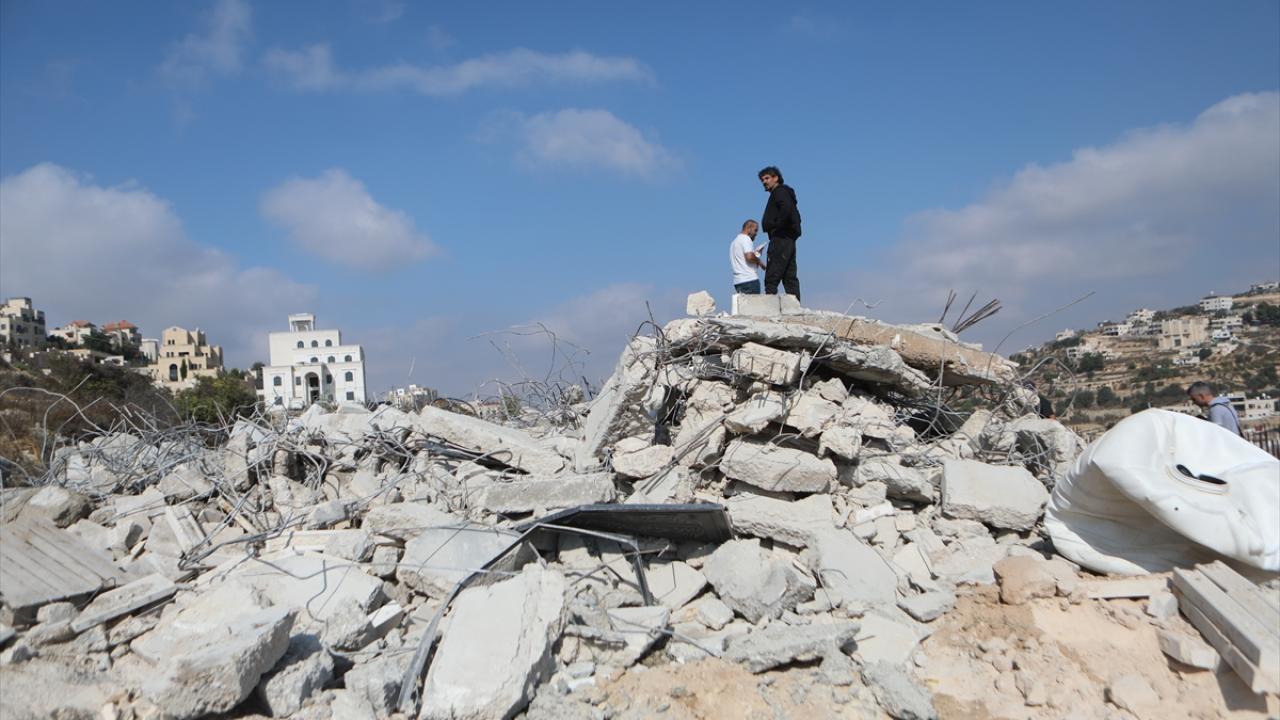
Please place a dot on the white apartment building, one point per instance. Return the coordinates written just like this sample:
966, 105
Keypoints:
1264, 287
1142, 315
1184, 332
75, 332
183, 356
1116, 329
1214, 303
1066, 334
308, 365
21, 325
1226, 322
122, 334
150, 349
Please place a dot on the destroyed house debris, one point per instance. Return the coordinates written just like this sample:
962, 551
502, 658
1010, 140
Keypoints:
773, 512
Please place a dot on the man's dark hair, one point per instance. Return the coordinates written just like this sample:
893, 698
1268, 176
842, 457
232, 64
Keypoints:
748, 224
771, 170
1199, 386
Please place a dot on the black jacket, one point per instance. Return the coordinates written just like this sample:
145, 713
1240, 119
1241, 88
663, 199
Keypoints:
781, 216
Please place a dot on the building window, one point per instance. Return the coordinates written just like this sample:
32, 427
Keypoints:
299, 343
297, 381
315, 344
349, 376
315, 359
277, 381
351, 395
173, 373
330, 358
328, 379
328, 343
279, 400
347, 359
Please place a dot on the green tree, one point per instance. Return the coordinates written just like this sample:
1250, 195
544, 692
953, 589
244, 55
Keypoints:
1083, 399
97, 340
182, 372
1205, 353
217, 400
1090, 362
1106, 396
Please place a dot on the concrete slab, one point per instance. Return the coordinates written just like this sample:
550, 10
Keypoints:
510, 446
754, 582
851, 570
1000, 496
794, 523
779, 644
538, 493
523, 616
438, 558
777, 468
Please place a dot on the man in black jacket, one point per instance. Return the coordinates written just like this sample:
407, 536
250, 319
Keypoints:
782, 222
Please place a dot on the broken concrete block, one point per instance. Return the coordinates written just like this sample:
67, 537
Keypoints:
353, 545
884, 639
777, 468
213, 672
831, 389
643, 463
521, 496
327, 513
776, 367
969, 560
898, 694
779, 644
1188, 650
753, 582
1162, 606
640, 628
700, 303
438, 558
1132, 692
905, 483
315, 584
675, 583
123, 600
712, 612
1023, 579
1000, 496
184, 482
851, 571
794, 523
524, 616
58, 505
700, 440
405, 516
305, 669
811, 414
756, 413
929, 606
376, 684
506, 445
842, 440
617, 411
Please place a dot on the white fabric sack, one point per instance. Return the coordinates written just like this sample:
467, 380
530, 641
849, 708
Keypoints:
1126, 507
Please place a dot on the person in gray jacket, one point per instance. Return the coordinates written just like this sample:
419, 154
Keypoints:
1218, 410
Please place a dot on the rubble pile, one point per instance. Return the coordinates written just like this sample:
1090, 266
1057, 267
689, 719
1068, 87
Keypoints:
772, 507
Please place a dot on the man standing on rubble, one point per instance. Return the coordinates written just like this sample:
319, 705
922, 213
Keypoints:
744, 259
1218, 410
781, 221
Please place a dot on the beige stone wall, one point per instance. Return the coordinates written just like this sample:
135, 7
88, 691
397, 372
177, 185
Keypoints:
178, 345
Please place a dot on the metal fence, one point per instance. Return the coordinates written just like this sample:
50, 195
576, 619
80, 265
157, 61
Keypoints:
1267, 438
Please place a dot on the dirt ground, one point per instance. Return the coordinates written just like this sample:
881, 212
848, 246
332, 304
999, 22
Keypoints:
974, 660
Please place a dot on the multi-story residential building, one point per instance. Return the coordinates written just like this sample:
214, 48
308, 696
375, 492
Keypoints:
182, 357
1184, 332
150, 349
1116, 329
308, 365
1186, 357
75, 332
1216, 303
1263, 406
1263, 287
412, 397
1066, 334
1226, 322
21, 325
1220, 335
122, 334
1142, 315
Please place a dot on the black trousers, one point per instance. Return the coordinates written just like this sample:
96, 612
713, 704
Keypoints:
782, 267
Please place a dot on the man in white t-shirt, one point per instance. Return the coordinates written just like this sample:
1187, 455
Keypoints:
744, 258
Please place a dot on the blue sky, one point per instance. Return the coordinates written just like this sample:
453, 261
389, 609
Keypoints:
419, 175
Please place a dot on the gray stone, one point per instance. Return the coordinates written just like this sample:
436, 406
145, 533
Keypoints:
700, 303
327, 513
674, 584
213, 672
377, 682
811, 414
523, 616
1188, 650
756, 413
885, 639
777, 468
929, 606
347, 627
640, 628
350, 705
776, 367
753, 582
1000, 496
124, 599
900, 482
317, 585
898, 694
353, 545
386, 559
642, 463
712, 612
305, 670
1132, 692
506, 445
185, 482
1162, 606
438, 558
700, 440
406, 516
794, 523
58, 505
843, 440
969, 560
780, 644
563, 491
851, 571
1049, 446
56, 612
617, 411
762, 305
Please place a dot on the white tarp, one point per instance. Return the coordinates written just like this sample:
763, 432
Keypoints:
1130, 507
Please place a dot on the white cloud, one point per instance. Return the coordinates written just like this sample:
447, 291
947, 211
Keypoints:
218, 50
83, 251
334, 217
1154, 217
589, 139
382, 11
313, 69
